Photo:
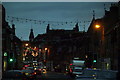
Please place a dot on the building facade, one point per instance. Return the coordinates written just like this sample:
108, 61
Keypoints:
106, 47
62, 46
11, 45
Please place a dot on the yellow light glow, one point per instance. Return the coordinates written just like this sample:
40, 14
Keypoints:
36, 53
45, 48
26, 73
28, 48
35, 68
44, 71
40, 50
97, 26
26, 44
33, 53
86, 56
108, 66
5, 65
35, 47
23, 54
23, 58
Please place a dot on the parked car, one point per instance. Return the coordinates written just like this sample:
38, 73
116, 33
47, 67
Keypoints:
30, 74
31, 68
13, 74
37, 72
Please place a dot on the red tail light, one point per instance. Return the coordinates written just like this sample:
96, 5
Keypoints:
71, 64
70, 69
35, 73
23, 67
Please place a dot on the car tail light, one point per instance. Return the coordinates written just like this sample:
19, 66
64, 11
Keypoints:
71, 64
35, 73
70, 69
23, 68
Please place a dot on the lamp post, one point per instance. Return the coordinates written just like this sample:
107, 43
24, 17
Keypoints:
46, 54
102, 39
102, 46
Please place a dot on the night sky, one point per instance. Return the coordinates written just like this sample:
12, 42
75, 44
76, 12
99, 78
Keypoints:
60, 15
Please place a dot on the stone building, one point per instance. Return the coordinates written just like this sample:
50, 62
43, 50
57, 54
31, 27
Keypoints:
62, 45
11, 45
107, 42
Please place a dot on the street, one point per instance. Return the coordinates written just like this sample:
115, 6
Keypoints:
88, 75
64, 76
60, 41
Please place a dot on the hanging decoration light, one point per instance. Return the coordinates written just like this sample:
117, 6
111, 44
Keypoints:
26, 20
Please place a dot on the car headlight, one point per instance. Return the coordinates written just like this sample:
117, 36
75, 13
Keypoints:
26, 73
77, 75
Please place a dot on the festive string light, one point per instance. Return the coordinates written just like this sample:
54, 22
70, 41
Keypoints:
22, 20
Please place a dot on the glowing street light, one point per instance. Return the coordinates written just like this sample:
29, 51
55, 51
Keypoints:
97, 26
45, 48
102, 44
26, 44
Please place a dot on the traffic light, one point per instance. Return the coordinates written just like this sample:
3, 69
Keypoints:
95, 58
94, 61
11, 59
5, 54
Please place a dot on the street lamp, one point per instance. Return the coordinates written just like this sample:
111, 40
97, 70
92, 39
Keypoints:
26, 44
102, 40
46, 49
97, 26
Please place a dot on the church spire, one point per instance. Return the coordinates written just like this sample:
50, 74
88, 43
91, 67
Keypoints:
93, 15
104, 7
31, 36
48, 28
76, 28
13, 28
